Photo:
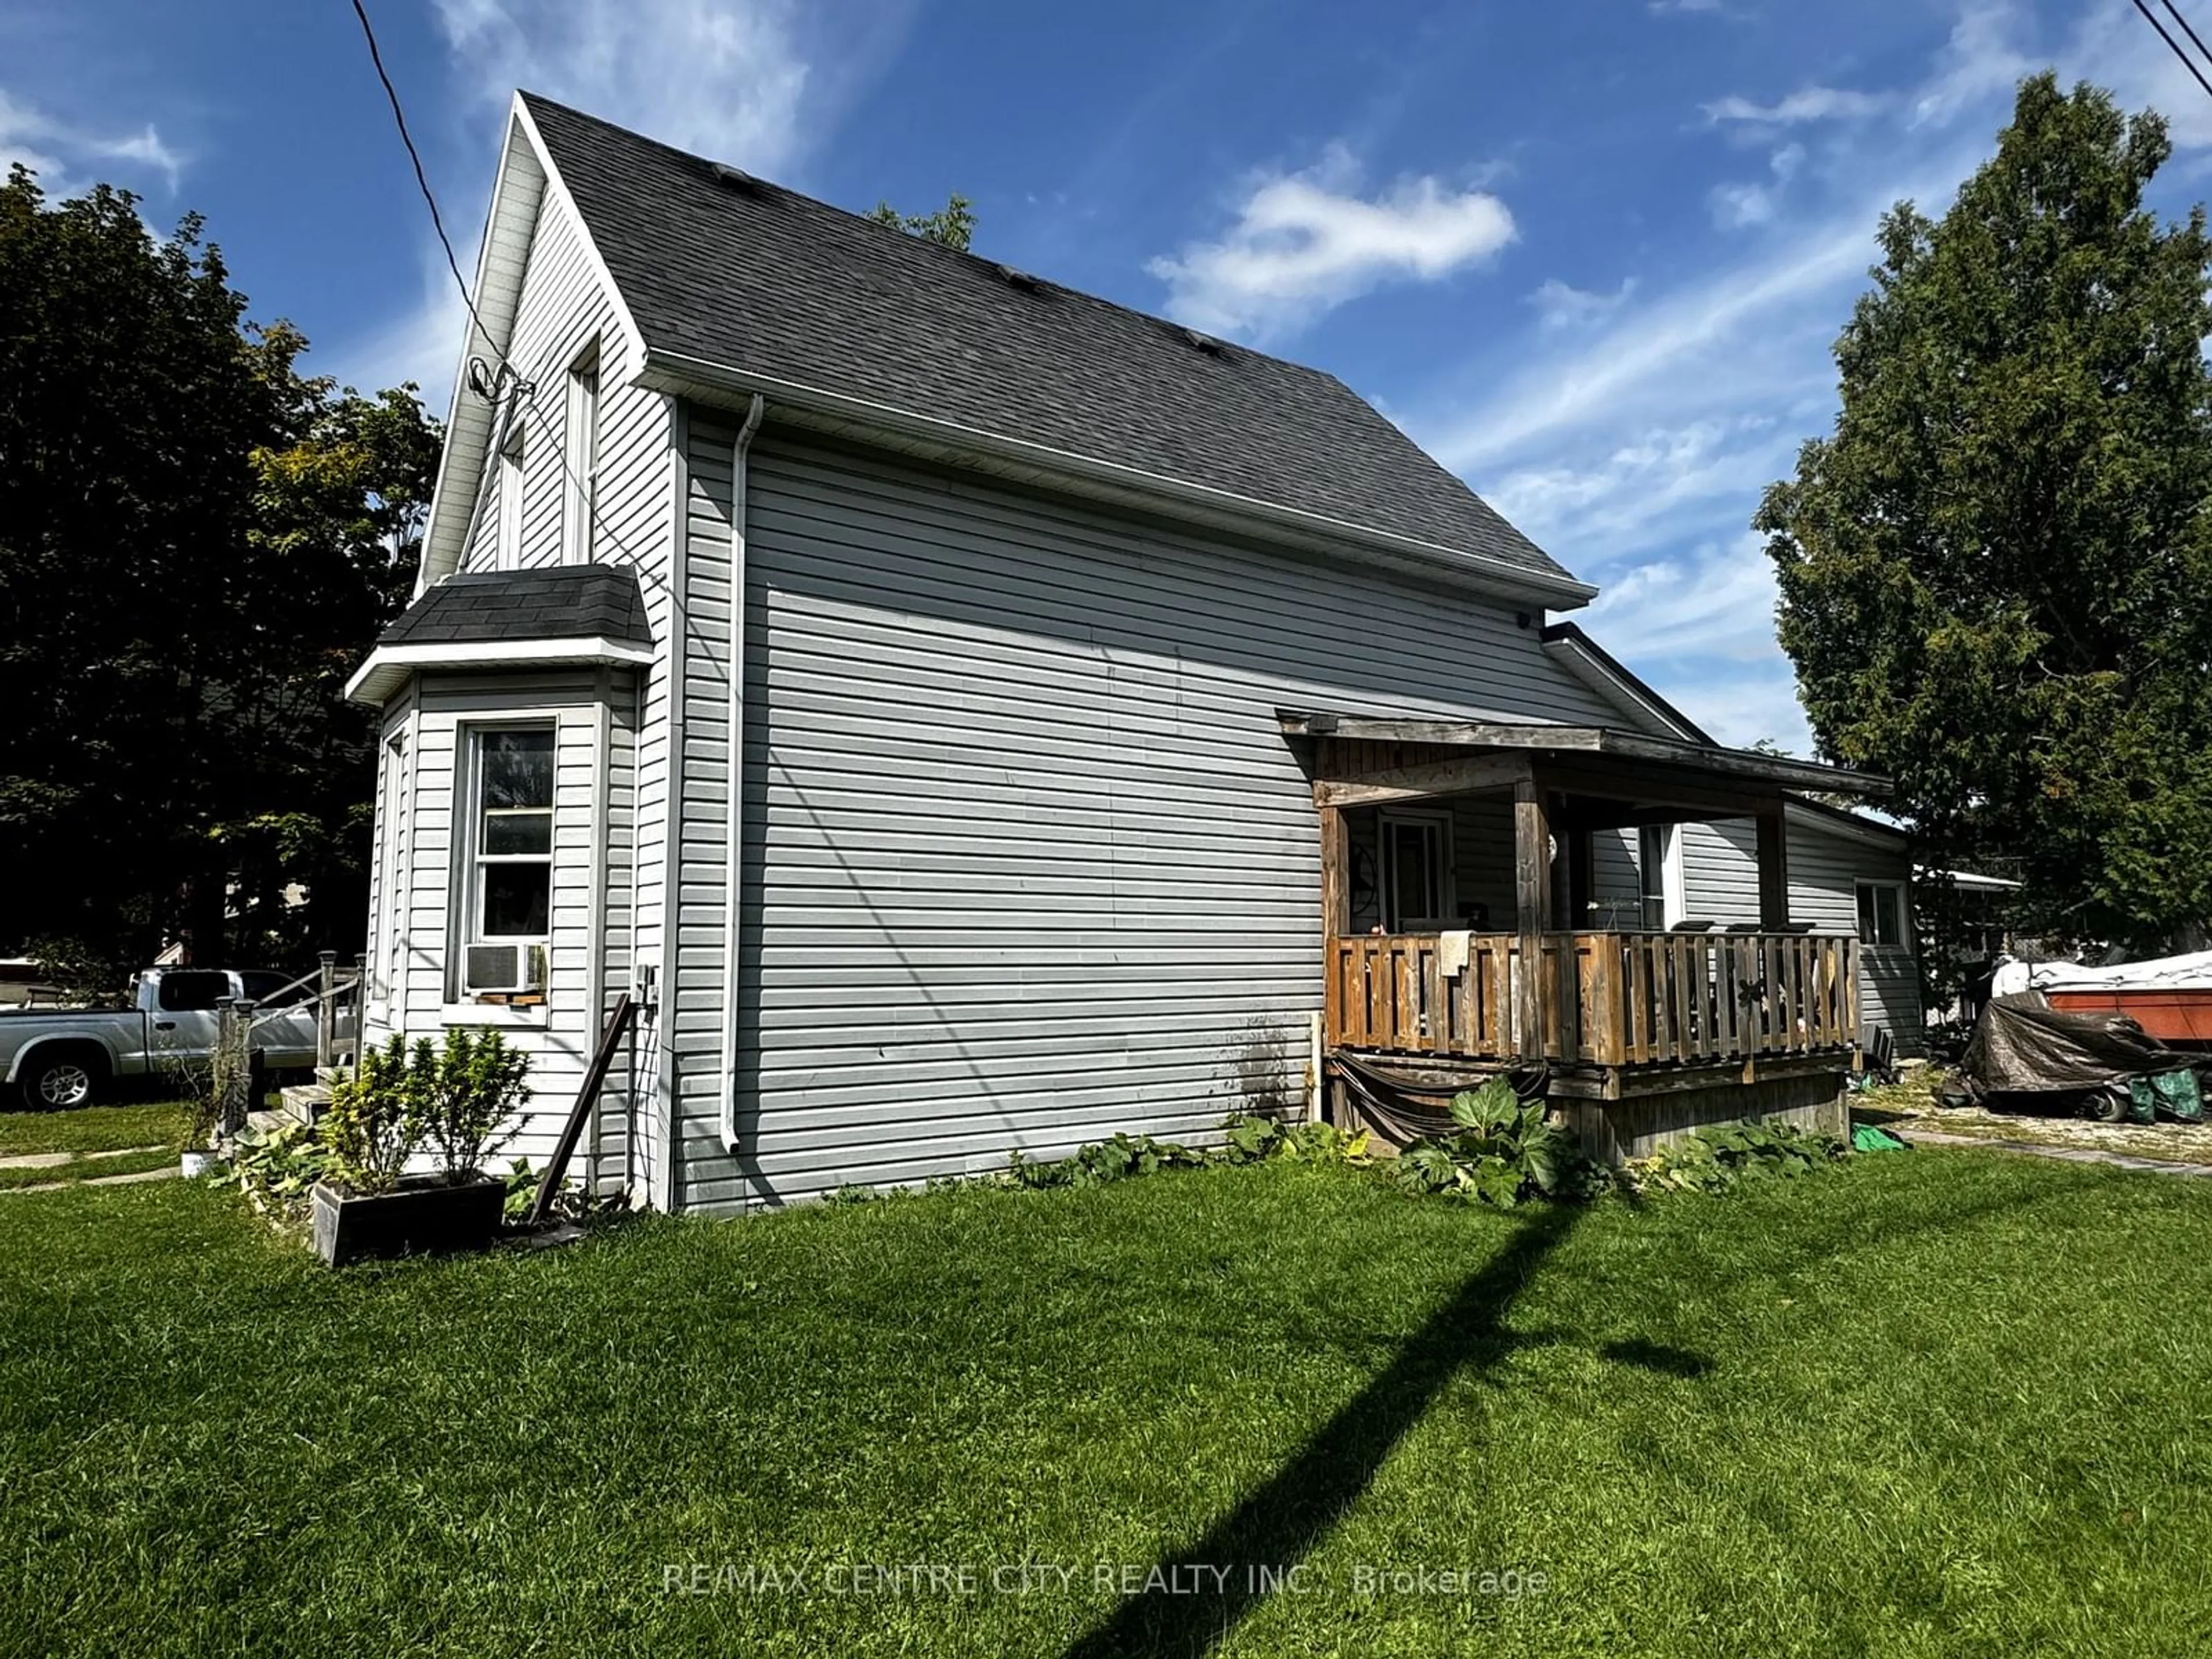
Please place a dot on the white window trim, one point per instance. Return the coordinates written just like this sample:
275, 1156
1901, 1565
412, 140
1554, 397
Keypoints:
1903, 944
1674, 903
580, 446
1385, 869
514, 482
492, 1013
388, 666
466, 905
392, 846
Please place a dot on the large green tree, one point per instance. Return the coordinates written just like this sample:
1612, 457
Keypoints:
196, 541
1996, 575
953, 224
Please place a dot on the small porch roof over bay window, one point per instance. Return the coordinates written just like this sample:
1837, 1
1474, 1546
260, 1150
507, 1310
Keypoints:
564, 616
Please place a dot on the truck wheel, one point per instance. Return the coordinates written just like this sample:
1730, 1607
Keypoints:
62, 1079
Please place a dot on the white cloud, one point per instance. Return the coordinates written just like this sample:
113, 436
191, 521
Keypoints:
1662, 8
1636, 448
1752, 332
726, 78
1560, 305
69, 158
1304, 243
1699, 348
756, 82
1645, 492
1805, 104
1737, 205
1699, 627
1740, 705
1979, 63
1716, 601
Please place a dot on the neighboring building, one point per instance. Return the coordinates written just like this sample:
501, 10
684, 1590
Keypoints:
955, 708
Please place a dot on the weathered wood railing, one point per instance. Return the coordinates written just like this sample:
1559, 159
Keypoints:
1607, 998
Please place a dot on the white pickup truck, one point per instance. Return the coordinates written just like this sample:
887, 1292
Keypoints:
62, 1057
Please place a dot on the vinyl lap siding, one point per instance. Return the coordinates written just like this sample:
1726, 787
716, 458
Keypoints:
563, 308
692, 1017
1825, 871
1026, 860
589, 845
1720, 871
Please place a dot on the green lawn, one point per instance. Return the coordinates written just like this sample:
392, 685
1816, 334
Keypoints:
94, 1128
1927, 1403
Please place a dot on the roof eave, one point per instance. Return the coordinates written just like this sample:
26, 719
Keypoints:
1782, 771
390, 667
1851, 826
681, 375
1597, 668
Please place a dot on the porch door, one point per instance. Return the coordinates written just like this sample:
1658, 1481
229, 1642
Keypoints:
1417, 877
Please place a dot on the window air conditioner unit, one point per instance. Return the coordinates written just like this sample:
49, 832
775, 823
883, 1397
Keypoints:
503, 968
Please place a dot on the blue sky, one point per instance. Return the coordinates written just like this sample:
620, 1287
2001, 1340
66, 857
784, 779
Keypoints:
1592, 254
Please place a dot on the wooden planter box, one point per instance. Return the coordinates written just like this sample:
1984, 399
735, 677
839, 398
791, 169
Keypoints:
423, 1217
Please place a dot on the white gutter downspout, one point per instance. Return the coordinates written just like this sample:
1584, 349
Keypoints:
732, 879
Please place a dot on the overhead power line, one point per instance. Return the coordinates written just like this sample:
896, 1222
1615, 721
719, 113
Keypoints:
520, 387
2174, 12
421, 178
2174, 45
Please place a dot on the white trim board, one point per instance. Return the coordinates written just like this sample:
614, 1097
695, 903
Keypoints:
390, 666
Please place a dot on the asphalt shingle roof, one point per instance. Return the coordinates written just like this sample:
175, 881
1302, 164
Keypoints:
745, 275
564, 602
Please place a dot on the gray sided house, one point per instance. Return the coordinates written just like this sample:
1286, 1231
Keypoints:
966, 715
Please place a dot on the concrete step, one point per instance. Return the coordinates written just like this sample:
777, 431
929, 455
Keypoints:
326, 1075
270, 1122
305, 1103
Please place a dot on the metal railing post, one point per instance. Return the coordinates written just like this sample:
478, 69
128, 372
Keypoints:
325, 1018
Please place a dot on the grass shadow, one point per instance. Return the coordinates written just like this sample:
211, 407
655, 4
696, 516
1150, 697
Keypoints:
1250, 1551
1656, 1357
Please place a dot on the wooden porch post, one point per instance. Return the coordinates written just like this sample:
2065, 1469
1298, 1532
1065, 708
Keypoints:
1773, 872
1335, 878
1335, 914
1532, 900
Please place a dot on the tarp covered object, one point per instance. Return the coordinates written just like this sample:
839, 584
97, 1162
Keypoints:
2022, 1045
2192, 972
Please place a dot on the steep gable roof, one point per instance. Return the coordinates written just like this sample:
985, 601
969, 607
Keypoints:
720, 270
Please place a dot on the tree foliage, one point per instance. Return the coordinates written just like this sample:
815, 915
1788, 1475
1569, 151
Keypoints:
954, 224
1994, 574
196, 542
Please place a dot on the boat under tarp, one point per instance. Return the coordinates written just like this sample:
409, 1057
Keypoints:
2170, 997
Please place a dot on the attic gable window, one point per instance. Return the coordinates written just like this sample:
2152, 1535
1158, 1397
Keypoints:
580, 451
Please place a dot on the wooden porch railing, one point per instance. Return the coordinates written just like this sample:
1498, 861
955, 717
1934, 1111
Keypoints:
1607, 998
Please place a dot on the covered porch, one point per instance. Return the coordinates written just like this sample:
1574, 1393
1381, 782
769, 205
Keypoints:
1490, 903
